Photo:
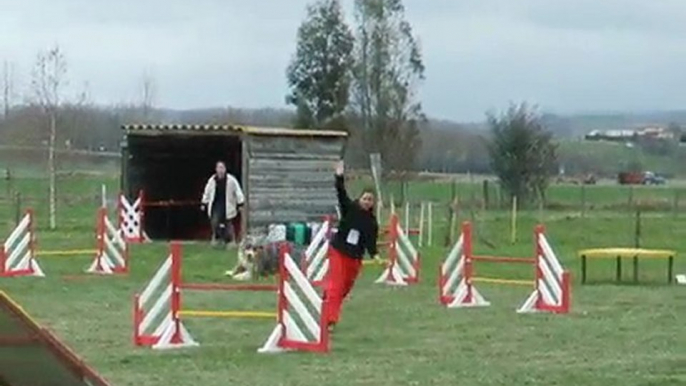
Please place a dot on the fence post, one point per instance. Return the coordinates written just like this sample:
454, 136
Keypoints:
637, 231
631, 197
403, 198
421, 224
453, 207
486, 198
675, 204
513, 223
17, 208
583, 200
472, 194
540, 207
455, 219
103, 194
8, 178
431, 225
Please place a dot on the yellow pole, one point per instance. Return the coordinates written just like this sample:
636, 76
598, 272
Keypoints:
67, 253
513, 227
228, 314
381, 262
528, 283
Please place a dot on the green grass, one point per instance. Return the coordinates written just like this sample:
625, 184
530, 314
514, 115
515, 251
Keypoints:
615, 335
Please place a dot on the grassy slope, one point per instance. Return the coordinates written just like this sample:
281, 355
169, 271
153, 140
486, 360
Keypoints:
616, 335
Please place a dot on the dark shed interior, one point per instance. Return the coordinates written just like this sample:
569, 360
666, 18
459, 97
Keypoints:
172, 171
285, 174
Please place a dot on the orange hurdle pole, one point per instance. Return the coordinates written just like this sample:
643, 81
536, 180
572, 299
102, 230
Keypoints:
468, 267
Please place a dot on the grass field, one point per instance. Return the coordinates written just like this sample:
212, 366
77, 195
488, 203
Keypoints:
629, 335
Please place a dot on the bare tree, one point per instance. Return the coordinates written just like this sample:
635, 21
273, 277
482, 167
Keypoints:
148, 95
7, 88
76, 120
388, 74
48, 83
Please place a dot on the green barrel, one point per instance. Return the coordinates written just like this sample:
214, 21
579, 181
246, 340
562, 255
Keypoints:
298, 233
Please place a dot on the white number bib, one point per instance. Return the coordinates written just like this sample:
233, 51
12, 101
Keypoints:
353, 237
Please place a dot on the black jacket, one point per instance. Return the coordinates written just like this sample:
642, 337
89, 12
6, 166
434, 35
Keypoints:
357, 228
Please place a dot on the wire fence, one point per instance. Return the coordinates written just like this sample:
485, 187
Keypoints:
487, 195
501, 219
479, 200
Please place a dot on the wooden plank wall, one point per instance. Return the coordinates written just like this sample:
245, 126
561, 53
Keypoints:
291, 179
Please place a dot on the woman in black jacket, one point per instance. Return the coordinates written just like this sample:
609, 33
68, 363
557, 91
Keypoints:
357, 233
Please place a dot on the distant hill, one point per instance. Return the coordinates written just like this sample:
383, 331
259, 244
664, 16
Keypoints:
570, 126
447, 146
563, 126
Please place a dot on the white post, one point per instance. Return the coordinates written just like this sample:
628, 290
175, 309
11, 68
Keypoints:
103, 194
407, 216
421, 224
430, 238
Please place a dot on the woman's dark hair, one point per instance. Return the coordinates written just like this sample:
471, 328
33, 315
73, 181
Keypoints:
369, 190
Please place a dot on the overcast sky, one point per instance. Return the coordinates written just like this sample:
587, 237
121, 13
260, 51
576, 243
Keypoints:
564, 55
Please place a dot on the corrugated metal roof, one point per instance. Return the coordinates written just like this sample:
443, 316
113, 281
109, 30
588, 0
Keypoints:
180, 127
186, 128
295, 132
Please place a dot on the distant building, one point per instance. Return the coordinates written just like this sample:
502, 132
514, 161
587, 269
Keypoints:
650, 132
656, 132
611, 135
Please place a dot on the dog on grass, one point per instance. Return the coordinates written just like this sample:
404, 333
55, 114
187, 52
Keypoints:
259, 261
256, 261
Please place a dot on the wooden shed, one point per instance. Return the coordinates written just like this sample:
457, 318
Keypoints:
286, 174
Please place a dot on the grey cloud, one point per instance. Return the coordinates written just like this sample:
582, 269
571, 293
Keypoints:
565, 55
665, 18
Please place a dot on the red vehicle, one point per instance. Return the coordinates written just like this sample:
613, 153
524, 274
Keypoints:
640, 178
630, 178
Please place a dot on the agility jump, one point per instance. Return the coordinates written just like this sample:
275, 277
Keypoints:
19, 251
402, 265
17, 257
425, 224
112, 255
158, 310
457, 276
315, 263
131, 219
403, 259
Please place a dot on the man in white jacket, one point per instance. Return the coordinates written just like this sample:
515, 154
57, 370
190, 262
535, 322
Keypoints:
222, 200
